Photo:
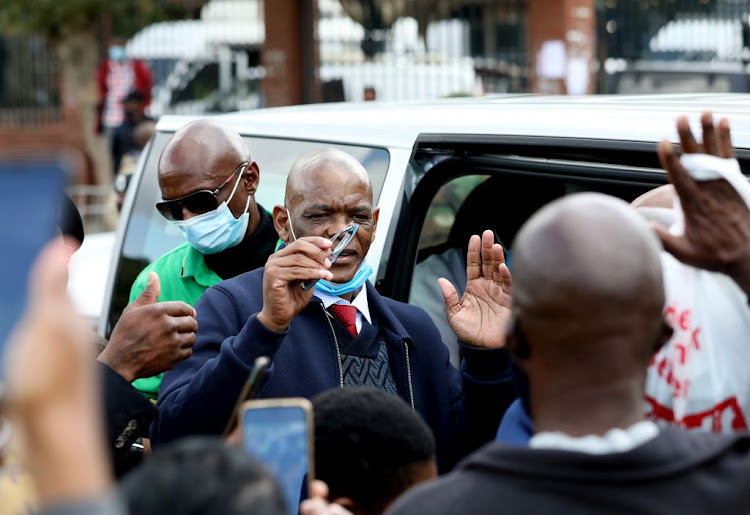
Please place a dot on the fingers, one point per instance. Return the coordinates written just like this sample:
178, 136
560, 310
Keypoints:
313, 247
49, 275
474, 259
450, 296
678, 176
506, 279
151, 292
488, 240
710, 143
724, 136
687, 140
186, 340
498, 257
298, 267
185, 324
319, 489
175, 308
676, 246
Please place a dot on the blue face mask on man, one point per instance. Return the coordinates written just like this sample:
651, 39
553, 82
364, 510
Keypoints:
338, 289
117, 53
217, 230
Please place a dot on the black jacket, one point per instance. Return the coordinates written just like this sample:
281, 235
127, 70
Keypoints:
128, 415
676, 472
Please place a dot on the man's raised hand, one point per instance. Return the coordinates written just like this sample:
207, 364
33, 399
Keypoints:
481, 316
717, 221
305, 259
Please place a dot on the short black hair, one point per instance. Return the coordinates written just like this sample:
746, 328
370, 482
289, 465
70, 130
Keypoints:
202, 476
367, 443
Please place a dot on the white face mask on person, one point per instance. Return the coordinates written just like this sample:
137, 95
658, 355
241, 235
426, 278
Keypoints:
217, 230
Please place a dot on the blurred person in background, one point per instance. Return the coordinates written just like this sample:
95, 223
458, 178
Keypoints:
117, 76
369, 94
142, 134
208, 182
370, 447
124, 140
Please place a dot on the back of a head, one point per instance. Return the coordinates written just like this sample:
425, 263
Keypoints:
202, 476
370, 446
587, 286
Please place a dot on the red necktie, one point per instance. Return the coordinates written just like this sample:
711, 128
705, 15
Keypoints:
347, 315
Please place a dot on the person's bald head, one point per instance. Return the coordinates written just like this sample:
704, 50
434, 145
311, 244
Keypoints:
325, 191
201, 156
656, 205
587, 290
329, 165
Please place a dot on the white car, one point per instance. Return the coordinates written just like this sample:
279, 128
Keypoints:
428, 163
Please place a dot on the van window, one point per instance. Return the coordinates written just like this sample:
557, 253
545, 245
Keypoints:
471, 204
148, 235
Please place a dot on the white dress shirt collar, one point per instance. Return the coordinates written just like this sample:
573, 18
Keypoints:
359, 301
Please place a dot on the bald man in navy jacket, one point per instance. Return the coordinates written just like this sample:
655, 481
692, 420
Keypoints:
343, 332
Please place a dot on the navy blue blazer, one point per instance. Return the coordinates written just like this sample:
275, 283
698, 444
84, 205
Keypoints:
198, 395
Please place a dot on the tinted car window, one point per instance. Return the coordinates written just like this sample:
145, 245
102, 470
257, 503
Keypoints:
148, 235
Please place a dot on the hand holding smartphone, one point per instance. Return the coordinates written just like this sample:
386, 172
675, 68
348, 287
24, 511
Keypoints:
279, 432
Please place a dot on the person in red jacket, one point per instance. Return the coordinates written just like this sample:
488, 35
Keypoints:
117, 76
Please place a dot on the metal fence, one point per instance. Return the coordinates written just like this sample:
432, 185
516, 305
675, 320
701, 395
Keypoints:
29, 77
392, 49
416, 49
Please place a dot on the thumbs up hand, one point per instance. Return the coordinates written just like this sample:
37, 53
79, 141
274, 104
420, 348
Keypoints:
149, 295
150, 337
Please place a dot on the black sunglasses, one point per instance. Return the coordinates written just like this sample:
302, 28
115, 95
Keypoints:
198, 202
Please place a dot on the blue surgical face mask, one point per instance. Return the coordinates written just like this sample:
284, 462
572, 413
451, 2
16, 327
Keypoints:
217, 230
117, 53
338, 289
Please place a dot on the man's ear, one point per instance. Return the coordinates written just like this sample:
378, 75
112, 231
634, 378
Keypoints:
516, 342
251, 178
375, 216
346, 502
281, 223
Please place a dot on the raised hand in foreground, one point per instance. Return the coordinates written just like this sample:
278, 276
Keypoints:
717, 220
53, 390
480, 317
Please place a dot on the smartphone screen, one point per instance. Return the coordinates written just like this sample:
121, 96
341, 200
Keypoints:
280, 437
30, 193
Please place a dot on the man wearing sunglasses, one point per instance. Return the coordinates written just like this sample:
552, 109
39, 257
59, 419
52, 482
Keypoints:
342, 332
208, 182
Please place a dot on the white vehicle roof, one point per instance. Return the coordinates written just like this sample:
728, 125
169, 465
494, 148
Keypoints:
397, 125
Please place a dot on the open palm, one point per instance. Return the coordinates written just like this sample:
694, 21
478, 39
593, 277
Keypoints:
480, 317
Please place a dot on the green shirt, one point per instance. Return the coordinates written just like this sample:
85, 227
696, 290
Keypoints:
183, 275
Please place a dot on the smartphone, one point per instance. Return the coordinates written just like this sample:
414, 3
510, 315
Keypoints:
279, 432
30, 194
249, 390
